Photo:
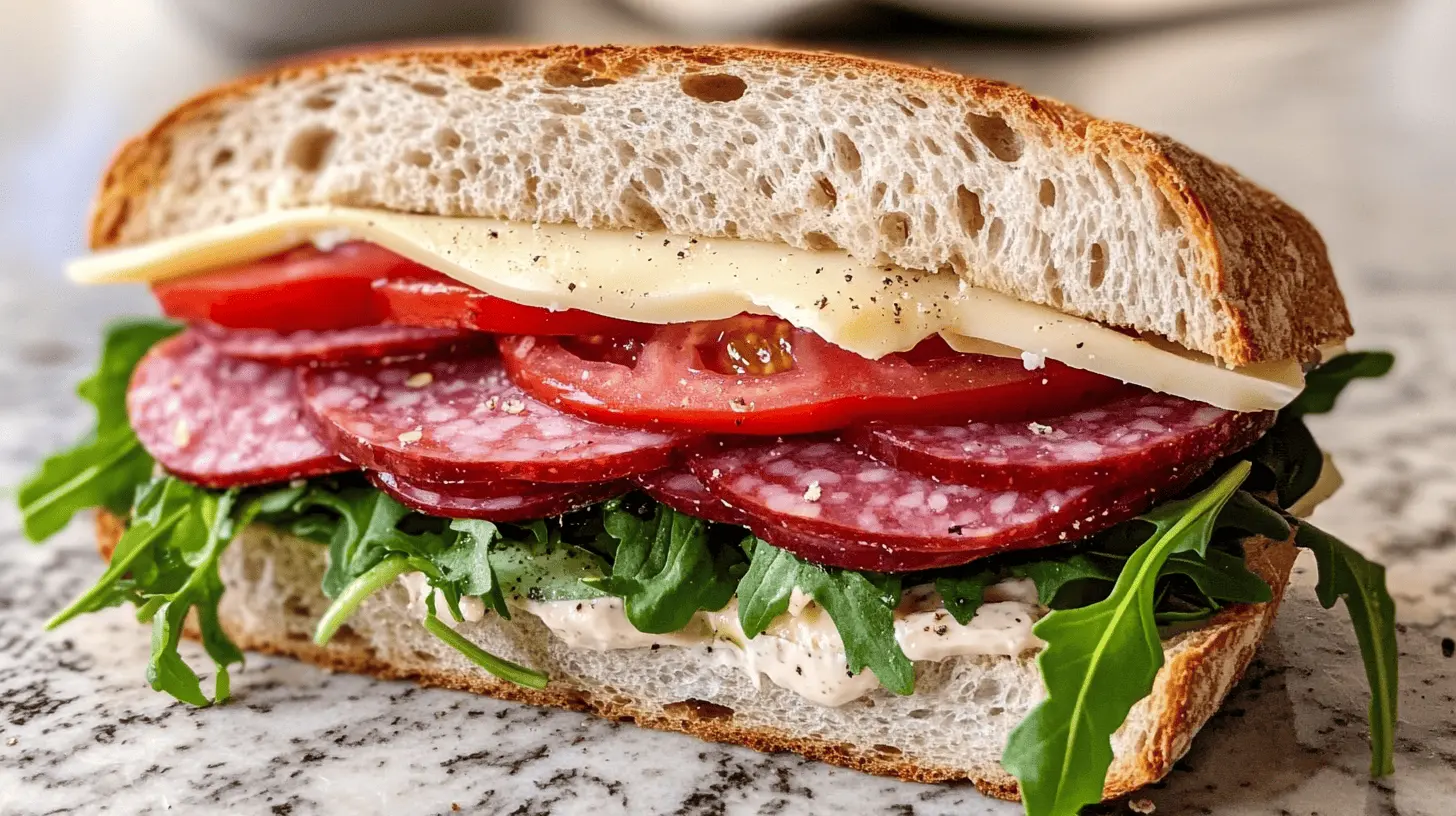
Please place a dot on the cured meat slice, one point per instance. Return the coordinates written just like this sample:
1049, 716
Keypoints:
831, 503
365, 344
463, 420
497, 501
223, 422
679, 489
1128, 441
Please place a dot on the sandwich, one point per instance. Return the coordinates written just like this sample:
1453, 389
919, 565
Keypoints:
900, 419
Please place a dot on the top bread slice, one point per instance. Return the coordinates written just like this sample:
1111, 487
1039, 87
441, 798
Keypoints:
892, 163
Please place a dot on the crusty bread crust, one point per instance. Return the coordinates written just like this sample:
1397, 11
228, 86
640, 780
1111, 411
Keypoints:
1232, 271
1201, 666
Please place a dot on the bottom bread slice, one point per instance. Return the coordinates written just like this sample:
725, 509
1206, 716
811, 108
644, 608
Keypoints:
952, 728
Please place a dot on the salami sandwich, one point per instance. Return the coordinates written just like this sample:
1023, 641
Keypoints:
900, 419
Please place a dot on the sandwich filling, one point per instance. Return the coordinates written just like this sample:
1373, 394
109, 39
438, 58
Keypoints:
821, 471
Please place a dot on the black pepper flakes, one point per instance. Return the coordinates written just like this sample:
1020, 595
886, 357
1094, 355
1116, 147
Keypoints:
1448, 647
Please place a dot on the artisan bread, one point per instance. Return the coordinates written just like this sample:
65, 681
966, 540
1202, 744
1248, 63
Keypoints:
893, 163
953, 728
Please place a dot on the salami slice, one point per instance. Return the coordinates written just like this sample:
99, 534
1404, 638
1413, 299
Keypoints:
1127, 441
498, 501
463, 420
223, 422
679, 489
365, 344
831, 503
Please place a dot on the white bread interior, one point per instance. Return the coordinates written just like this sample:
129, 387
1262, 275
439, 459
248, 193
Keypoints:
953, 727
923, 168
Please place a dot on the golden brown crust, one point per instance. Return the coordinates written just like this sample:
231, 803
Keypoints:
1264, 265
1204, 666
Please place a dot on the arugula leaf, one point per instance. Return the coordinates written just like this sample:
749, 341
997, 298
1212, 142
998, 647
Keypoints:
1344, 573
1100, 660
348, 599
467, 564
664, 569
161, 506
1289, 459
862, 607
166, 564
375, 540
1219, 576
963, 591
1248, 514
1053, 575
504, 669
547, 570
367, 530
222, 518
105, 468
764, 591
1322, 386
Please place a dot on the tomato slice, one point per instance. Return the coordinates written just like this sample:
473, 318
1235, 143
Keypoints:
300, 290
762, 376
442, 302
360, 284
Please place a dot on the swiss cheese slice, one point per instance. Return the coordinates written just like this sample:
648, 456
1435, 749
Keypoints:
655, 277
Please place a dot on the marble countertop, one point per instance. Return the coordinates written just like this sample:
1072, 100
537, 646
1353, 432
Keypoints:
1344, 109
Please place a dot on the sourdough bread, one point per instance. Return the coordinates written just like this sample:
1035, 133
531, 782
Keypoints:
895, 164
954, 727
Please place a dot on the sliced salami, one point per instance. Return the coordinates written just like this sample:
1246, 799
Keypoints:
1127, 441
492, 502
830, 502
223, 422
365, 344
463, 420
679, 489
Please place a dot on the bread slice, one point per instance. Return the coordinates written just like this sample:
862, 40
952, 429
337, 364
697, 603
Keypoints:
952, 728
893, 163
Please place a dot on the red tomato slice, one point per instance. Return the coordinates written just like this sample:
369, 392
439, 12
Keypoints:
442, 302
300, 290
755, 375
359, 284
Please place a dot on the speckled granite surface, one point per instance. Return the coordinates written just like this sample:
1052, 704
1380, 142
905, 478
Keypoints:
1340, 110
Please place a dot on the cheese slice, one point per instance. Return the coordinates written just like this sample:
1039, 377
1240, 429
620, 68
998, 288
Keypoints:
661, 278
1324, 487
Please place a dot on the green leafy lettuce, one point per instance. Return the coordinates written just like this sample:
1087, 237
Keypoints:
1100, 659
664, 569
861, 604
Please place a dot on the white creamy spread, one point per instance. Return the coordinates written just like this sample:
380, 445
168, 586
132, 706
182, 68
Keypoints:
801, 650
663, 278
